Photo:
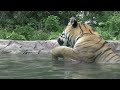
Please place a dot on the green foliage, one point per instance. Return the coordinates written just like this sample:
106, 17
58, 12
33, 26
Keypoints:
40, 35
52, 23
54, 35
26, 31
105, 33
113, 23
15, 36
4, 34
111, 28
44, 25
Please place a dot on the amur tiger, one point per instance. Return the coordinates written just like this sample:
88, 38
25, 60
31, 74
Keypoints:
80, 42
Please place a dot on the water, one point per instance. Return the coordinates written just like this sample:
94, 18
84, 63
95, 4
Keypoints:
41, 67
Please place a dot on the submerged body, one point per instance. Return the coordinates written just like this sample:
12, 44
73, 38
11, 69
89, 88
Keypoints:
80, 42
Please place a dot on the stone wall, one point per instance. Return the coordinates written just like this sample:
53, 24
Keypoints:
26, 47
115, 45
38, 47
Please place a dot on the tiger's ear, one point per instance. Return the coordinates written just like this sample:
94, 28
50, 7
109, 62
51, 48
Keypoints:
73, 22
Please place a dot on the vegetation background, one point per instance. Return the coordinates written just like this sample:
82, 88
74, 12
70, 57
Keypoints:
47, 25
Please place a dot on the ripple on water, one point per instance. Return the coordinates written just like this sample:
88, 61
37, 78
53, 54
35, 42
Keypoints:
42, 67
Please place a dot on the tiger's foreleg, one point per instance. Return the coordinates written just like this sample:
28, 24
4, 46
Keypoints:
64, 52
70, 53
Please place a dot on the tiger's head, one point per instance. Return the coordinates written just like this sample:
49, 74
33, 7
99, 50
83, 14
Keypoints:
73, 31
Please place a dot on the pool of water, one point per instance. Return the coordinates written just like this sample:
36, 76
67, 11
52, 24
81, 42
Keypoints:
42, 67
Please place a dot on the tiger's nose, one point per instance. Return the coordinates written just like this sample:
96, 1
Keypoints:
60, 41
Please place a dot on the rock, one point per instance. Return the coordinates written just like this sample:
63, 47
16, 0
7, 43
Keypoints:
43, 47
115, 45
27, 47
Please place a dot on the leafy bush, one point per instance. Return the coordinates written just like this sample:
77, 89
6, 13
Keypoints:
39, 35
111, 28
52, 23
113, 24
26, 31
4, 34
43, 25
104, 32
14, 36
54, 35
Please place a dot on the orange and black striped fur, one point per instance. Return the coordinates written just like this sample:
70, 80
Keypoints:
80, 42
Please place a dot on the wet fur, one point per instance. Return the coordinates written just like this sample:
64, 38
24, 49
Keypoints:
85, 45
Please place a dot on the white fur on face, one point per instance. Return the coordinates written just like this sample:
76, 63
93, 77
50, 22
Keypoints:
63, 38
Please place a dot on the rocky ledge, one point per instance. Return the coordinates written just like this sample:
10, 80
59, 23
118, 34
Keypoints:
38, 47
27, 47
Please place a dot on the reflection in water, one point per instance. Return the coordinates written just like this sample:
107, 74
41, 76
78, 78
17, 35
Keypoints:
42, 67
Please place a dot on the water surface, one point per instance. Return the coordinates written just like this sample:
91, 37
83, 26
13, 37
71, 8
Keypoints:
42, 67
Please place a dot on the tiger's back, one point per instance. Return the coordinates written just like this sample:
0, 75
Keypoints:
80, 42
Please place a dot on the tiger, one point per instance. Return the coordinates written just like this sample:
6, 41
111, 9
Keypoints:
80, 42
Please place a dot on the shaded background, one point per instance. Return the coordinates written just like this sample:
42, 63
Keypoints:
47, 25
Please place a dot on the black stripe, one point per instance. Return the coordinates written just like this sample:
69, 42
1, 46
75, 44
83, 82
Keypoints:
90, 31
87, 41
96, 56
85, 47
63, 33
111, 58
78, 38
101, 46
82, 45
102, 52
67, 44
84, 25
99, 41
106, 51
68, 38
81, 28
109, 54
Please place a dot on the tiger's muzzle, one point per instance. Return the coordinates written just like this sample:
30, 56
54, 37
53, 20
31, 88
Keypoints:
60, 41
